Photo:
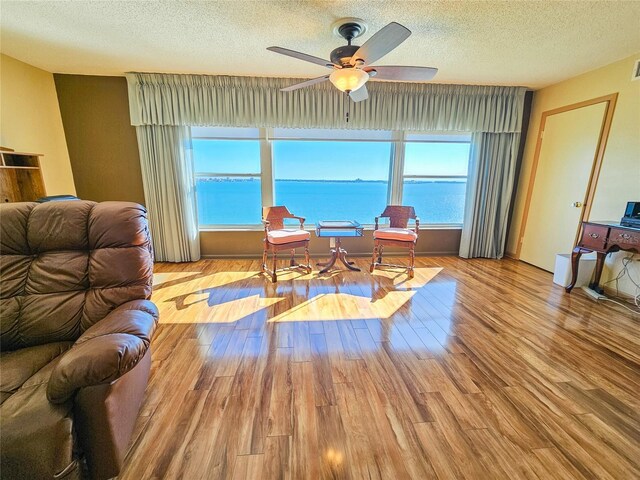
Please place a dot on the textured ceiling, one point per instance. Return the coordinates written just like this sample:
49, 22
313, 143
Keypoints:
501, 43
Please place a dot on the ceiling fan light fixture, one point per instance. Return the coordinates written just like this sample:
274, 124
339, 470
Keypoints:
348, 79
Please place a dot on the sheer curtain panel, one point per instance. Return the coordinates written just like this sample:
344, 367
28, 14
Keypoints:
169, 191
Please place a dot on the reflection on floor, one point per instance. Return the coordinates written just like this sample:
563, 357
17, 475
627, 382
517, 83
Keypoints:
473, 369
227, 297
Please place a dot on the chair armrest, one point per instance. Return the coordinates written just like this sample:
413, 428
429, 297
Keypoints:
105, 351
376, 226
301, 219
417, 224
265, 224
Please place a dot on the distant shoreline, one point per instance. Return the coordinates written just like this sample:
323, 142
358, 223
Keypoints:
357, 180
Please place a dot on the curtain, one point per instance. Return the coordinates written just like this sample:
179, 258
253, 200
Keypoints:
169, 191
490, 182
164, 106
206, 100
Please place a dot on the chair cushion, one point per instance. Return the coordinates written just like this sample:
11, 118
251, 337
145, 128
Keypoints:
400, 234
287, 235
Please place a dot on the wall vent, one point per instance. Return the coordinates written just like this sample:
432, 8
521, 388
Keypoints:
636, 71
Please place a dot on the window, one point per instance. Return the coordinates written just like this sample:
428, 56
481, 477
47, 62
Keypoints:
329, 180
435, 180
327, 174
228, 179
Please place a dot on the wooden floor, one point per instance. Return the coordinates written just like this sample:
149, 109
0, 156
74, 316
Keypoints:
478, 369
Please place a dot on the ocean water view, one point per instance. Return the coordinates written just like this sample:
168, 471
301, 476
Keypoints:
234, 201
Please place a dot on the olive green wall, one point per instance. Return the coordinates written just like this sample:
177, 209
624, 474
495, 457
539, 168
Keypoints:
106, 166
102, 143
249, 243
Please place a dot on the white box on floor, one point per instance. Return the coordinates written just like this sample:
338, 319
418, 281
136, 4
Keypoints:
562, 271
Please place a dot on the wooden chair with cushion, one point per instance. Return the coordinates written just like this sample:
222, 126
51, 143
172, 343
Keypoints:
277, 237
397, 234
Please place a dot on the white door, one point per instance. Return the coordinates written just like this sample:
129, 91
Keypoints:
566, 158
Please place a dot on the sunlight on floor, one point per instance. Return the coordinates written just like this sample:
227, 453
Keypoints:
227, 312
162, 278
400, 278
344, 306
226, 297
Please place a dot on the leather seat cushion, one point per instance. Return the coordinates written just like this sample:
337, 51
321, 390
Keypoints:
20, 365
36, 435
287, 235
400, 234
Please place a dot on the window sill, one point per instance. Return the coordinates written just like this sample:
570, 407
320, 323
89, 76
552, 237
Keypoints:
260, 228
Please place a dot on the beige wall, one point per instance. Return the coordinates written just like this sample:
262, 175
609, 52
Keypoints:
619, 180
30, 121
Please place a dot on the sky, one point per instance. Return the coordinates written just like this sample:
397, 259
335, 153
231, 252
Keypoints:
325, 160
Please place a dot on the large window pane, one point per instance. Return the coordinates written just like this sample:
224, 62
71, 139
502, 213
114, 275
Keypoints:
323, 180
228, 200
436, 201
435, 180
226, 156
436, 158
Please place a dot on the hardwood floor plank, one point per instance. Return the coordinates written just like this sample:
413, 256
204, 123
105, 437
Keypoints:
202, 443
281, 405
360, 447
332, 443
248, 467
277, 458
322, 380
556, 466
305, 461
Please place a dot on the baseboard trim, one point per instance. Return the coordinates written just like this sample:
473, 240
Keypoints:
252, 256
611, 292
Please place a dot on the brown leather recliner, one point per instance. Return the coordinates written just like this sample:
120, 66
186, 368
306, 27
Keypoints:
75, 328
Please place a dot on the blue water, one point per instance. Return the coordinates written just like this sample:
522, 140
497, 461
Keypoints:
238, 202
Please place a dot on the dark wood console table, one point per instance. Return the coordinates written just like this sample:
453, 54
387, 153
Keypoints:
602, 238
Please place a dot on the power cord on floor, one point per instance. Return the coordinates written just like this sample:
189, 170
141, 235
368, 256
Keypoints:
624, 271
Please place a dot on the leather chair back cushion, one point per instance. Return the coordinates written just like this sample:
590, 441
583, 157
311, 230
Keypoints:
65, 265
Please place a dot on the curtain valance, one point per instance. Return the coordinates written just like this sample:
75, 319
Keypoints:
199, 100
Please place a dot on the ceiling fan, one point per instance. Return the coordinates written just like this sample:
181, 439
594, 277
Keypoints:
352, 64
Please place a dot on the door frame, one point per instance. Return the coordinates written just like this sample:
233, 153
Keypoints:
605, 128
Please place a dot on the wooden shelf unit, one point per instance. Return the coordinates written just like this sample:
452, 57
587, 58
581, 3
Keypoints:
20, 177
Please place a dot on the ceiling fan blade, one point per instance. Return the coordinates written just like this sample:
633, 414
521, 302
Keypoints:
381, 43
396, 72
360, 94
308, 83
301, 56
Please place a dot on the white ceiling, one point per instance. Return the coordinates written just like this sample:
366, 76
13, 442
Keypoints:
532, 43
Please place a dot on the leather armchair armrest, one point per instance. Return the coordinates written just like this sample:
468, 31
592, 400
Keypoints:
105, 351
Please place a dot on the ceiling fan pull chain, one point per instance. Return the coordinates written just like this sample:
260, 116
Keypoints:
348, 105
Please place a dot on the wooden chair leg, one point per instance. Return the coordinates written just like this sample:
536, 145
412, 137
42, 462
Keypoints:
307, 259
412, 260
292, 262
263, 267
373, 257
274, 277
380, 250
